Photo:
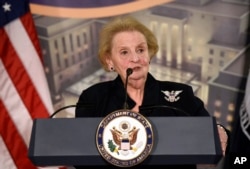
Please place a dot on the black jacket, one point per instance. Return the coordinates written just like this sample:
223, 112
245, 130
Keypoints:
106, 97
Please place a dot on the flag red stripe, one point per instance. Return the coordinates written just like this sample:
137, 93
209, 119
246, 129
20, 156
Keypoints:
13, 140
30, 28
21, 79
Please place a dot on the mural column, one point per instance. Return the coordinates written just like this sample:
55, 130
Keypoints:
156, 30
169, 56
179, 46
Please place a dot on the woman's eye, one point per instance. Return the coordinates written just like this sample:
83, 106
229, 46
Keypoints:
124, 52
140, 50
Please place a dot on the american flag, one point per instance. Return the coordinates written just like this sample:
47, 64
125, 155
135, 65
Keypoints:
24, 93
245, 110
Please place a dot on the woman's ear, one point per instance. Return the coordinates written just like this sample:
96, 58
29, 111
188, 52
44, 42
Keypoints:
109, 63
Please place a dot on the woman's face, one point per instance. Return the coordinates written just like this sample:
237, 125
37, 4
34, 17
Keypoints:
130, 50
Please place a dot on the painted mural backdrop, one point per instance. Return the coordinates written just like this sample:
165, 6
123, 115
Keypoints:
203, 43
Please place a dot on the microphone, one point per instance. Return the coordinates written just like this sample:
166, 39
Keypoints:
129, 71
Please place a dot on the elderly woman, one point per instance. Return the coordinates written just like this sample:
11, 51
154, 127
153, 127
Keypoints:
126, 43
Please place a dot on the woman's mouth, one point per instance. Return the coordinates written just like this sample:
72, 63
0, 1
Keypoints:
136, 69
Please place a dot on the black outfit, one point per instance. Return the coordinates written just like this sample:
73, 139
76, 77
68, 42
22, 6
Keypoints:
103, 98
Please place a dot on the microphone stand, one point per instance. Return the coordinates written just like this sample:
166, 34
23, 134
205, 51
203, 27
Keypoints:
129, 71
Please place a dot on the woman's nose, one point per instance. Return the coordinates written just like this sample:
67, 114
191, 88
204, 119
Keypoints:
134, 57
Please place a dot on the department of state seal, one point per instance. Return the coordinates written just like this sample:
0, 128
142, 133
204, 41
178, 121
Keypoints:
124, 138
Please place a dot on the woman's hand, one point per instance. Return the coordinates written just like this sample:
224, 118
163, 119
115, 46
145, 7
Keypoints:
223, 138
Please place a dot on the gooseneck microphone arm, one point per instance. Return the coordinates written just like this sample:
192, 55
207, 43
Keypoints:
152, 107
70, 106
129, 71
57, 111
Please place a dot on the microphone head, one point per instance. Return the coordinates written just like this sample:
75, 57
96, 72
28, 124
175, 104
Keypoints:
129, 71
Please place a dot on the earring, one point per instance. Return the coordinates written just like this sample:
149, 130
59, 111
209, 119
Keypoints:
111, 69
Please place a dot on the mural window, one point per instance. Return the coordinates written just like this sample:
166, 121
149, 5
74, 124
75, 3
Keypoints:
217, 108
221, 63
44, 51
92, 33
217, 103
210, 61
92, 49
78, 42
56, 44
86, 53
231, 107
217, 114
83, 54
46, 69
211, 51
66, 61
222, 53
73, 59
230, 118
231, 110
64, 45
79, 56
58, 60
84, 38
71, 42
60, 77
199, 59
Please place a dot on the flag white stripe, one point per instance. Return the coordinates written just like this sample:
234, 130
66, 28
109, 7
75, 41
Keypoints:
15, 30
49, 167
6, 161
14, 105
247, 95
